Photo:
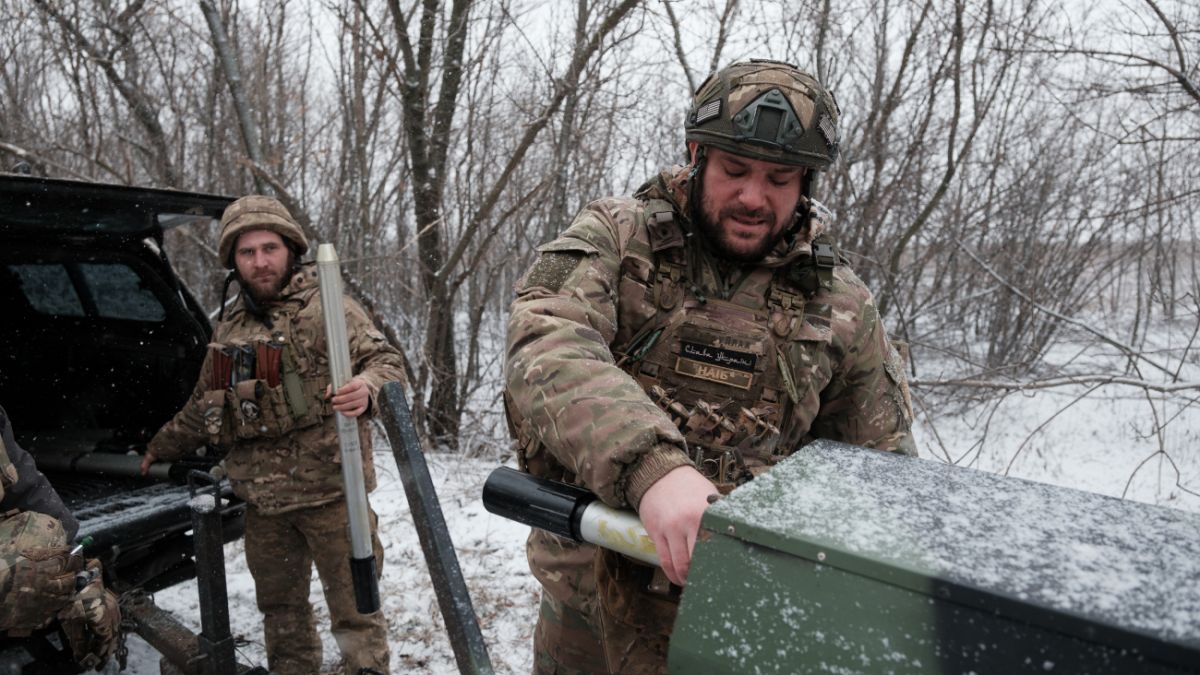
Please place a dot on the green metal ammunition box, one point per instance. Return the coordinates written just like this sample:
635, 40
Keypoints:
846, 560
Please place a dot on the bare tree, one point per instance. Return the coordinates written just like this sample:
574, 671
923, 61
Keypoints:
1014, 177
114, 49
428, 108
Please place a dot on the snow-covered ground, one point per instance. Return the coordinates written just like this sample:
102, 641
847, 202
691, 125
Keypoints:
491, 553
492, 557
1095, 442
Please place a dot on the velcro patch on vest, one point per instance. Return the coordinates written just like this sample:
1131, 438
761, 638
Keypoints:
716, 364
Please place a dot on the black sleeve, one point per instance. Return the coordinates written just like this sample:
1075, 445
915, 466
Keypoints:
32, 492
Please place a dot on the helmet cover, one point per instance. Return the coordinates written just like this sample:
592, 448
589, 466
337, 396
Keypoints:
257, 212
767, 110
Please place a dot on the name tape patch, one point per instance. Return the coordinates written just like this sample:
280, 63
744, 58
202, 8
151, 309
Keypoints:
716, 364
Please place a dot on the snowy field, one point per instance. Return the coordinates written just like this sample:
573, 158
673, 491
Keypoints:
490, 552
1095, 443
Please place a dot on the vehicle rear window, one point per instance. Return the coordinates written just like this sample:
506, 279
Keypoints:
106, 290
48, 289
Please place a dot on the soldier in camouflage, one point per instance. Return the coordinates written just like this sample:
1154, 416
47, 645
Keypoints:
263, 399
670, 346
41, 581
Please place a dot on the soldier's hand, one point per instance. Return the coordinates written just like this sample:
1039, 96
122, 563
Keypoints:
353, 398
41, 581
92, 621
671, 510
148, 459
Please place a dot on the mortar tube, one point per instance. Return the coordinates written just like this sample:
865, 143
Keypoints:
362, 556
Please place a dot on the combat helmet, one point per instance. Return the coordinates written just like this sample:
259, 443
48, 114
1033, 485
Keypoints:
258, 212
768, 110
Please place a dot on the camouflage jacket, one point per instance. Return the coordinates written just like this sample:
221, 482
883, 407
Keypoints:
23, 487
261, 399
582, 414
34, 522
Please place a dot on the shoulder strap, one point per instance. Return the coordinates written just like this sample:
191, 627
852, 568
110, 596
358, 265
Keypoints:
664, 232
825, 256
817, 272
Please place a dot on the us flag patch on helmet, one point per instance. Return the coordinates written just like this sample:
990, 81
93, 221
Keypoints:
708, 111
828, 130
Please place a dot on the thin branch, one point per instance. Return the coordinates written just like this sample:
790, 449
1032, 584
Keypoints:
678, 40
1046, 422
1174, 467
933, 428
1126, 349
136, 98
190, 235
35, 157
722, 34
1052, 383
569, 81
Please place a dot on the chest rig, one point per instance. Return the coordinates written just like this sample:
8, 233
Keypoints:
718, 366
266, 380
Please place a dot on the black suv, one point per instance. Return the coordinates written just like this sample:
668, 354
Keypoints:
100, 345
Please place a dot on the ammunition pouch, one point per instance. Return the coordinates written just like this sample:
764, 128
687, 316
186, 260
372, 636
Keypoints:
259, 410
729, 467
260, 390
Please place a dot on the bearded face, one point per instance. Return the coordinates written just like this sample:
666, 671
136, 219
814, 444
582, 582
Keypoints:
747, 204
263, 263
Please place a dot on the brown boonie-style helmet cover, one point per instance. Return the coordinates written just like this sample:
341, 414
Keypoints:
766, 110
257, 212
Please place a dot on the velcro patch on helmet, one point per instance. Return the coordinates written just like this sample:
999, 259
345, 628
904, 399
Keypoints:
708, 111
828, 130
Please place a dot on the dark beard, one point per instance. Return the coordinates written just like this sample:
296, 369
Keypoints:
258, 299
271, 295
715, 237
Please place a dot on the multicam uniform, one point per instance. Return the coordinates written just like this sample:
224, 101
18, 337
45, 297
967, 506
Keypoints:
633, 351
37, 572
261, 397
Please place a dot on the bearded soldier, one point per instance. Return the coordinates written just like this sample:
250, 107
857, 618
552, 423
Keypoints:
262, 397
670, 346
41, 579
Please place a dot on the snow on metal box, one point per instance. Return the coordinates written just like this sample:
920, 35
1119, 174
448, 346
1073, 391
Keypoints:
847, 560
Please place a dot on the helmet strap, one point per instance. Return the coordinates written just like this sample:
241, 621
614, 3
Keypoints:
695, 177
225, 292
804, 206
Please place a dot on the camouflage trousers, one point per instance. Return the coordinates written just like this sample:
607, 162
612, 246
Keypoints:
596, 616
280, 551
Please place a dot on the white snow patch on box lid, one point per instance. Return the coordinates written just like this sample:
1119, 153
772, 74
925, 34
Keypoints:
1117, 562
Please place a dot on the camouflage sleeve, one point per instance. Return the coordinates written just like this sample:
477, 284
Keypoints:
867, 401
32, 490
184, 432
563, 386
375, 360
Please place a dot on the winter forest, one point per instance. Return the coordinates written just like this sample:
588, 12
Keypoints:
1018, 184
